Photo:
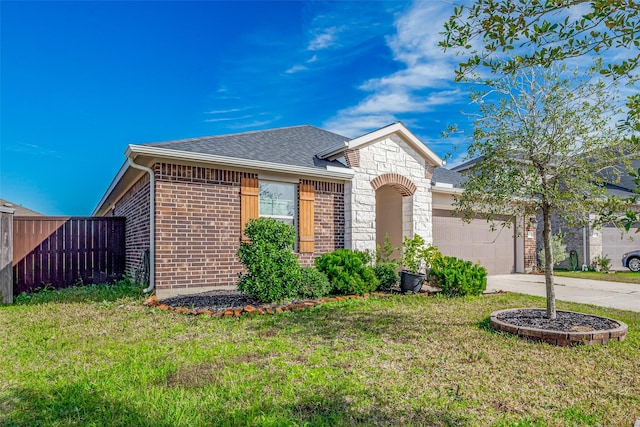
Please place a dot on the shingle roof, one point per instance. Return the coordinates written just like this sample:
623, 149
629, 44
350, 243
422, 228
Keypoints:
615, 190
19, 210
296, 145
447, 176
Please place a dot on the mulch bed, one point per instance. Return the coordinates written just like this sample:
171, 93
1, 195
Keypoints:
566, 321
213, 300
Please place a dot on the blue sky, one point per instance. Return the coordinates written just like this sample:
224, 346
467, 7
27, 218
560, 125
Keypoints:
82, 80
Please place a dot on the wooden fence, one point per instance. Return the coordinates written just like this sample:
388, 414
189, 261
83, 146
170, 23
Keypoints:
6, 254
63, 251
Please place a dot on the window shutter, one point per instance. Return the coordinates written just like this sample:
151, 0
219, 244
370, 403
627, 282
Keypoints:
248, 202
305, 218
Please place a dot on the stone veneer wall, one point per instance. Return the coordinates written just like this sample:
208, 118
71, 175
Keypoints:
530, 247
389, 155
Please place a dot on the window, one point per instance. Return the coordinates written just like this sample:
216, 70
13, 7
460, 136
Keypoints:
277, 200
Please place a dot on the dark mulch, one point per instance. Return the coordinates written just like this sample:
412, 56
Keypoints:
213, 300
566, 321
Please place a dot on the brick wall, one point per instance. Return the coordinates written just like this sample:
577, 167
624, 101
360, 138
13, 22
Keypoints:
328, 219
134, 205
198, 226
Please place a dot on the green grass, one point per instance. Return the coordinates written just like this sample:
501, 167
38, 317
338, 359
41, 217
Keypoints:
618, 276
107, 360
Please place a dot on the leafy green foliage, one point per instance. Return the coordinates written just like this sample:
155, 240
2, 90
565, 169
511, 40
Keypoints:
387, 274
537, 32
314, 283
384, 252
601, 263
348, 271
416, 254
457, 277
86, 293
543, 138
558, 250
273, 271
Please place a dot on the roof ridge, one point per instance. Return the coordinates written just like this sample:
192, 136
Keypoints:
229, 134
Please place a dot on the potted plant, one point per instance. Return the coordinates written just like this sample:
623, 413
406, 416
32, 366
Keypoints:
417, 258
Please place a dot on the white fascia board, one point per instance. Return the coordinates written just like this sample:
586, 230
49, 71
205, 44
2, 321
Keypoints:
332, 151
345, 174
446, 190
113, 184
442, 184
403, 131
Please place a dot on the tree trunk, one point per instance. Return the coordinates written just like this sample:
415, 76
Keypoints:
548, 262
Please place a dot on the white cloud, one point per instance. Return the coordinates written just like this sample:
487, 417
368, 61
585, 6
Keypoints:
424, 82
296, 68
326, 38
226, 119
313, 59
231, 110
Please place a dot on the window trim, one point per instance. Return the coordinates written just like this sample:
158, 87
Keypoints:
293, 218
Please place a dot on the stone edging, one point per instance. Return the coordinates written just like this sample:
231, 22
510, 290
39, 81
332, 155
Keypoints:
559, 338
153, 302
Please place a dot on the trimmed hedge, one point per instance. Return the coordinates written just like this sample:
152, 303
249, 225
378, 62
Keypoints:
457, 277
348, 271
273, 270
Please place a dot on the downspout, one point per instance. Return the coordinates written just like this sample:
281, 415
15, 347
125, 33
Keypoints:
152, 223
584, 249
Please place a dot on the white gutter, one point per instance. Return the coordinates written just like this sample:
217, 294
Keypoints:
329, 172
152, 222
446, 190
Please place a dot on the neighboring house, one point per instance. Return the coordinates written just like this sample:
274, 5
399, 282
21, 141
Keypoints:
19, 210
609, 240
337, 192
589, 242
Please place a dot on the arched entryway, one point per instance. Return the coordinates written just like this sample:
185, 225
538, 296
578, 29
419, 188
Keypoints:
394, 208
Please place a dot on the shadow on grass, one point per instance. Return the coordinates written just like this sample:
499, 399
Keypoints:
78, 404
81, 294
73, 404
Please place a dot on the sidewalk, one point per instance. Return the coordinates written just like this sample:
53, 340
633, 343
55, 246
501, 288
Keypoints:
623, 296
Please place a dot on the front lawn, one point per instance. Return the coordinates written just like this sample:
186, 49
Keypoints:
618, 276
392, 361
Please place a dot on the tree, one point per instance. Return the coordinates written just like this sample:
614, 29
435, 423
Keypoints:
548, 30
542, 136
506, 35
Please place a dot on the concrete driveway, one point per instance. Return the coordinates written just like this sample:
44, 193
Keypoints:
624, 296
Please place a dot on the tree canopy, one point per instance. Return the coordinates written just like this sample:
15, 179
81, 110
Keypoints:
545, 142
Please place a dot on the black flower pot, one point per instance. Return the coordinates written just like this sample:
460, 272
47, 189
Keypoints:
411, 281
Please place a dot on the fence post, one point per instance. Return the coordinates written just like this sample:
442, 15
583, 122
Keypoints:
6, 255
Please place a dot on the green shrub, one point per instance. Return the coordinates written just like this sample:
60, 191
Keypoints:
348, 271
314, 283
273, 271
558, 250
417, 255
387, 274
384, 252
457, 277
601, 263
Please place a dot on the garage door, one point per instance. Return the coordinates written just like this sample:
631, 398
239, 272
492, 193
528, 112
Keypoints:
614, 246
474, 242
